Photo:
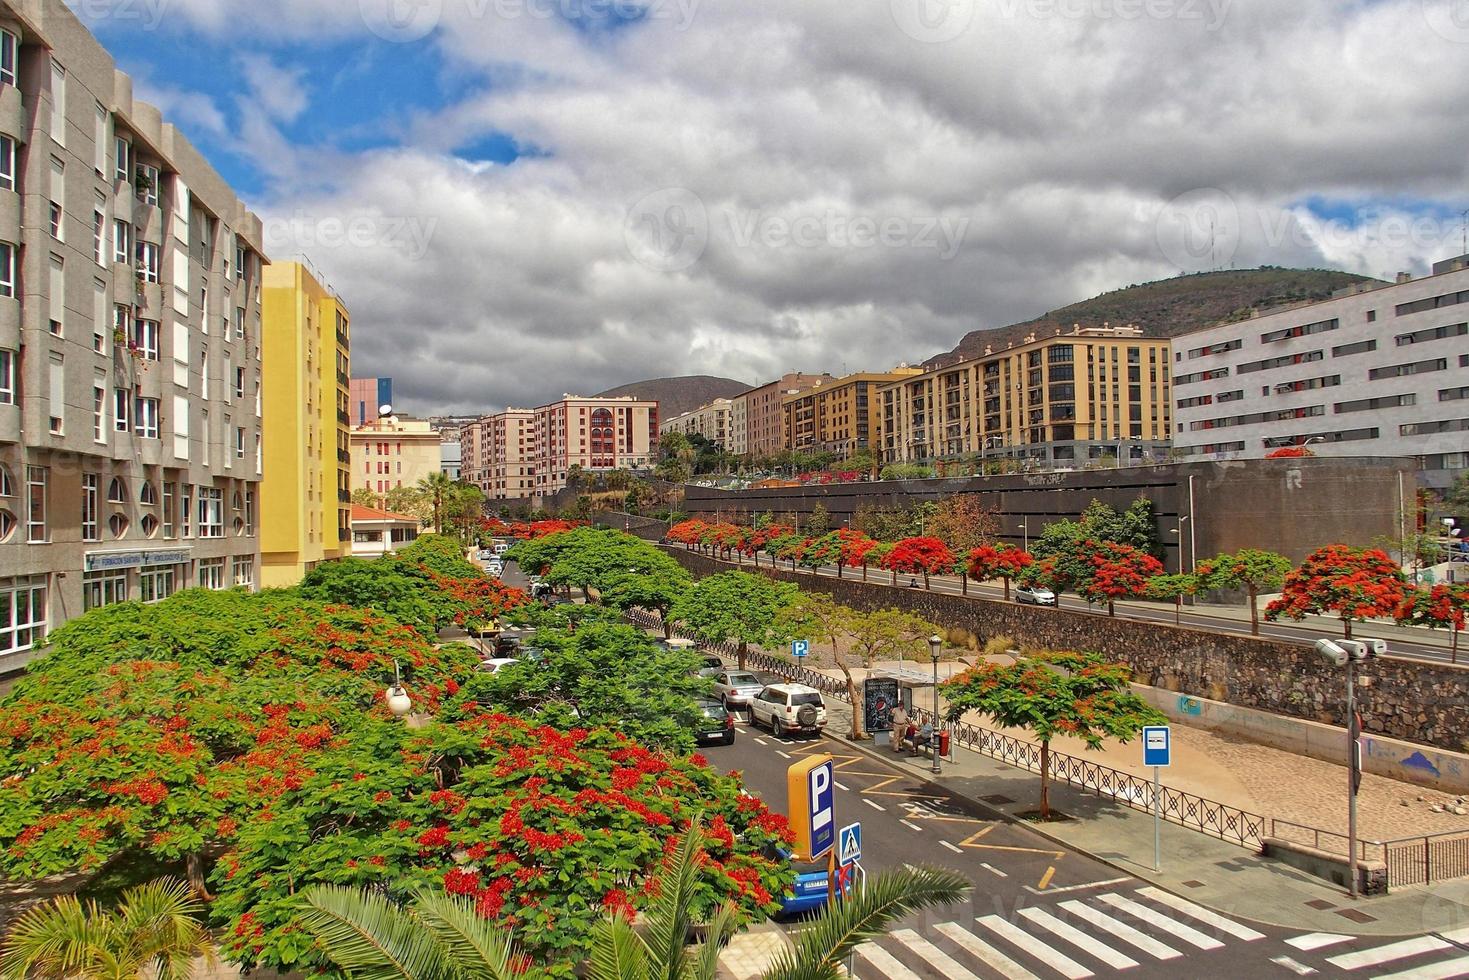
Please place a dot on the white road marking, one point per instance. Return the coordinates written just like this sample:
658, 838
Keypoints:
760, 741
912, 826
984, 952
1063, 965
885, 963
1122, 931
1299, 969
992, 868
1458, 967
1076, 888
874, 805
1386, 954
784, 755
1202, 914
1079, 939
1460, 936
1316, 940
956, 849
841, 787
934, 956
1153, 917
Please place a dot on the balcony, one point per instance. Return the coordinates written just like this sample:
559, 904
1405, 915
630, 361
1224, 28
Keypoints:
344, 497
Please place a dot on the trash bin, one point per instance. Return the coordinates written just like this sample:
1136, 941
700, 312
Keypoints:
944, 742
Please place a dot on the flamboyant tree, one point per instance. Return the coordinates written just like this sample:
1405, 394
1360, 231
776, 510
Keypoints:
687, 533
1056, 693
1437, 607
1001, 561
856, 549
1251, 569
926, 555
1352, 583
1117, 571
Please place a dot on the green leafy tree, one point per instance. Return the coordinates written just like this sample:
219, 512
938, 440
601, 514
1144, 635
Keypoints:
1135, 527
815, 615
1456, 498
410, 501
818, 522
1172, 588
365, 497
888, 634
1056, 693
157, 930
655, 585
1250, 569
736, 607
436, 488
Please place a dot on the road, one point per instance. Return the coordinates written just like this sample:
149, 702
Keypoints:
1303, 634
1040, 910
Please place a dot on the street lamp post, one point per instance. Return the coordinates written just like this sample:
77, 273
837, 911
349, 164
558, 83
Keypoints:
1025, 536
1349, 653
1193, 560
934, 642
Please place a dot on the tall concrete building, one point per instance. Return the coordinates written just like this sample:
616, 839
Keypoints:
305, 498
764, 415
1057, 401
367, 396
508, 452
596, 434
393, 452
713, 421
835, 416
1377, 370
130, 343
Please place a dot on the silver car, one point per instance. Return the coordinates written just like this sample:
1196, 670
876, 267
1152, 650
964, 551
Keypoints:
736, 688
1035, 596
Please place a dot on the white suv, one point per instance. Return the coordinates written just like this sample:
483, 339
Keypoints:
789, 708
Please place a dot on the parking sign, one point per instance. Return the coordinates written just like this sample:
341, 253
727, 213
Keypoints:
811, 792
799, 648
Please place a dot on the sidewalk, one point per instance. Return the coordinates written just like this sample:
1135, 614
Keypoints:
1225, 877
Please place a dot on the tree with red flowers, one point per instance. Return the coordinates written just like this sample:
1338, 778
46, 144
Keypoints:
1251, 569
927, 555
1353, 583
1437, 607
1290, 452
855, 550
1117, 571
1002, 561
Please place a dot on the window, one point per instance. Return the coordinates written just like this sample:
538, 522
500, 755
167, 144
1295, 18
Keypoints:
169, 491
1360, 347
58, 199
117, 491
240, 382
118, 525
37, 494
211, 512
147, 419
104, 588
156, 584
1289, 333
148, 261
58, 102
239, 261
1453, 394
123, 168
90, 507
250, 513
145, 337
99, 237
7, 163
56, 299
1406, 370
99, 142
7, 376
1432, 333
147, 181
150, 525
1301, 439
211, 573
56, 379
22, 608
186, 505
7, 269
1270, 363
239, 323
228, 375
243, 572
1434, 428
1214, 375
1433, 303
1308, 384
1372, 404
122, 241
99, 410
239, 442
9, 49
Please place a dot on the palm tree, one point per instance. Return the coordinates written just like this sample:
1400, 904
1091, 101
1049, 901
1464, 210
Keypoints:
155, 928
436, 486
441, 936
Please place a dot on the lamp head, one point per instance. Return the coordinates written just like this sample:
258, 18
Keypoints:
1332, 653
398, 701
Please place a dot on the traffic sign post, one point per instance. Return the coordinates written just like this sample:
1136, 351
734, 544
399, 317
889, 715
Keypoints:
800, 648
1157, 752
849, 844
810, 794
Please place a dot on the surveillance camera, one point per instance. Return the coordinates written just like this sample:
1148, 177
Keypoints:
1356, 649
1331, 653
1375, 648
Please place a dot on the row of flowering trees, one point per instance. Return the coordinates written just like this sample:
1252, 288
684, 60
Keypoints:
1351, 584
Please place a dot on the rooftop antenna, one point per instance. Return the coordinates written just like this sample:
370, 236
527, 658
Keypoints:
1464, 226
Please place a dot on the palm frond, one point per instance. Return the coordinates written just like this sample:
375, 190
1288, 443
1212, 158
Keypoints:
57, 939
471, 941
618, 953
371, 937
667, 920
161, 920
706, 959
865, 915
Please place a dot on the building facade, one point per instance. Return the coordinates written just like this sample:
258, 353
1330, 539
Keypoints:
596, 434
713, 421
508, 453
451, 459
130, 341
1058, 401
367, 396
739, 425
306, 494
393, 452
379, 532
836, 416
1374, 371
765, 414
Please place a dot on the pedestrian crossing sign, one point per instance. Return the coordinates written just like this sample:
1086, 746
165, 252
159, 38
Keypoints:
849, 844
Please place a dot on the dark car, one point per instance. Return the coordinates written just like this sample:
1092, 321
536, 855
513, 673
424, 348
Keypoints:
716, 724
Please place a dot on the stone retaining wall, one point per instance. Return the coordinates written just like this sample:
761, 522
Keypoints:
1411, 700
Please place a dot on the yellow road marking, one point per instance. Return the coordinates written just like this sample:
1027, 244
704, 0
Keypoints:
1046, 878
970, 840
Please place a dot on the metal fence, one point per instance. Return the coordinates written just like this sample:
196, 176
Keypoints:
1409, 860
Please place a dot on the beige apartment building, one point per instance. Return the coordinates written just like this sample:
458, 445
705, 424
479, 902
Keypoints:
713, 421
1061, 401
503, 449
764, 413
596, 434
835, 416
129, 343
393, 452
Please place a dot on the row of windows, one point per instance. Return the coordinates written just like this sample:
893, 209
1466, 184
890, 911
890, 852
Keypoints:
156, 584
1433, 303
1305, 330
1432, 333
1434, 428
1301, 439
1254, 417
1269, 363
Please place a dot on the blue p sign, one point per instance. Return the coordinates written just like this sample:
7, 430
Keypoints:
823, 814
799, 648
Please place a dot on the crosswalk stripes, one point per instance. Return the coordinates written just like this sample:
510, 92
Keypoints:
933, 956
1316, 940
984, 952
1378, 955
1158, 920
1444, 970
884, 962
1059, 962
1122, 931
1202, 914
1079, 939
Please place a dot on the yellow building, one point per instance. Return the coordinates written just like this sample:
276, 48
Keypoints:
835, 415
306, 505
1059, 401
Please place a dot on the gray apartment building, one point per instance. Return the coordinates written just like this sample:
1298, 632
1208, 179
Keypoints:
1377, 370
129, 343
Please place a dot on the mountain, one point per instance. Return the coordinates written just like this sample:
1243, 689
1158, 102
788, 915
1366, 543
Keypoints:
678, 395
1169, 307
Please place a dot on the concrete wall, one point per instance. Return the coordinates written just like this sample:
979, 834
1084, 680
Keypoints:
1292, 506
1405, 699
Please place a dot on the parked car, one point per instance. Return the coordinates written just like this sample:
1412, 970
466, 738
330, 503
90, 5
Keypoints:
493, 665
486, 555
1034, 595
736, 688
808, 892
712, 665
716, 724
789, 708
501, 547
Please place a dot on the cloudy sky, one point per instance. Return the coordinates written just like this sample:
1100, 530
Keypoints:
523, 197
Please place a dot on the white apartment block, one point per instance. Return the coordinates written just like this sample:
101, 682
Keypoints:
1375, 371
739, 425
129, 343
712, 421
